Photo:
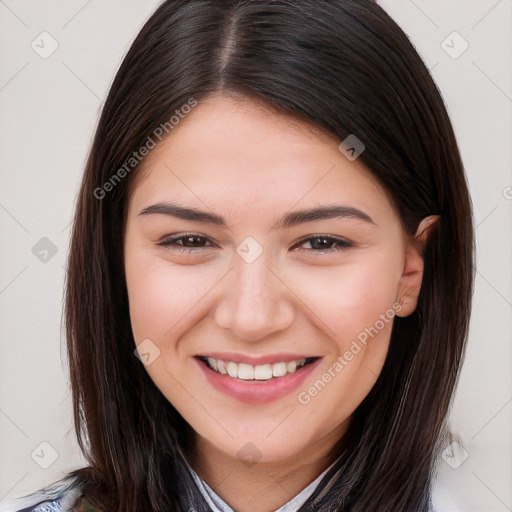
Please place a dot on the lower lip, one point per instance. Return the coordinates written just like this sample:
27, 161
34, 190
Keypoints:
257, 392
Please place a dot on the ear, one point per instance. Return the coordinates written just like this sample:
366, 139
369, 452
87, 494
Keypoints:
410, 282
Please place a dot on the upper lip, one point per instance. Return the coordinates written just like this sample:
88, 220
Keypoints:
256, 359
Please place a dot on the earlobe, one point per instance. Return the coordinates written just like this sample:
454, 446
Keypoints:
409, 285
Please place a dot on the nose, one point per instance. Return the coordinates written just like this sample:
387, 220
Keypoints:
254, 301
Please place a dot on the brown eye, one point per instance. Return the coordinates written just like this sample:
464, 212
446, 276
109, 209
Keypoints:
185, 242
321, 243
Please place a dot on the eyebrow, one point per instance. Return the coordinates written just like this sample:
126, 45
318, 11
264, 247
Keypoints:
289, 220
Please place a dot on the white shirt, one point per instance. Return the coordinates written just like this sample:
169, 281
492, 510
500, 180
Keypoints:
217, 504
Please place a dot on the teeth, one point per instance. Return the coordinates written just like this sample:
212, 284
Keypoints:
279, 370
263, 372
221, 365
233, 369
245, 371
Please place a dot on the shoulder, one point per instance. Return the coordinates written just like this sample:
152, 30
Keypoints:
60, 497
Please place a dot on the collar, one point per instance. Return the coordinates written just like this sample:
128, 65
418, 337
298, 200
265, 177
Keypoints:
217, 504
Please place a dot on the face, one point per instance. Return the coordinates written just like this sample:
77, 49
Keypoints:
264, 270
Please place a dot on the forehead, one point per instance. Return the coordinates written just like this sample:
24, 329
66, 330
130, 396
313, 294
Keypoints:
236, 152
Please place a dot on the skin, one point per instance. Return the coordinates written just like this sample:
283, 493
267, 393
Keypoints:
236, 158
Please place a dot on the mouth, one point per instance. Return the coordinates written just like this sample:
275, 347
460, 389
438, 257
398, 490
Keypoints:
267, 372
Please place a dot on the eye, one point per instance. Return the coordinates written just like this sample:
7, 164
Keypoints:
319, 244
324, 244
186, 242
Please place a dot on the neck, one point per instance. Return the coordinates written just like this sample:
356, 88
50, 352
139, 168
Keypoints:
263, 487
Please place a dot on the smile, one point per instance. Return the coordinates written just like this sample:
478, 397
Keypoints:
260, 372
269, 379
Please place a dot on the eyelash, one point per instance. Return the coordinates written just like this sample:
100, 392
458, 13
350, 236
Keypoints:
171, 243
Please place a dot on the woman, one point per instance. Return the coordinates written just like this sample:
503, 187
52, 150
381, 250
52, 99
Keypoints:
275, 217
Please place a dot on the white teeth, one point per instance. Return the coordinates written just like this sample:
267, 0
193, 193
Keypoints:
245, 371
291, 367
233, 369
221, 367
279, 370
261, 372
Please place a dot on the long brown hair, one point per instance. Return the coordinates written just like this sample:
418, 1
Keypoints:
345, 66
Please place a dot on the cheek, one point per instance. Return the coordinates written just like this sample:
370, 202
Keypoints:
160, 295
347, 300
356, 313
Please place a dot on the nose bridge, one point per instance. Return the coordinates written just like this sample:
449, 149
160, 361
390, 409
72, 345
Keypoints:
253, 286
254, 302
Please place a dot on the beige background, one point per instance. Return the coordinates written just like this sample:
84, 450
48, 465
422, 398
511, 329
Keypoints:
49, 108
